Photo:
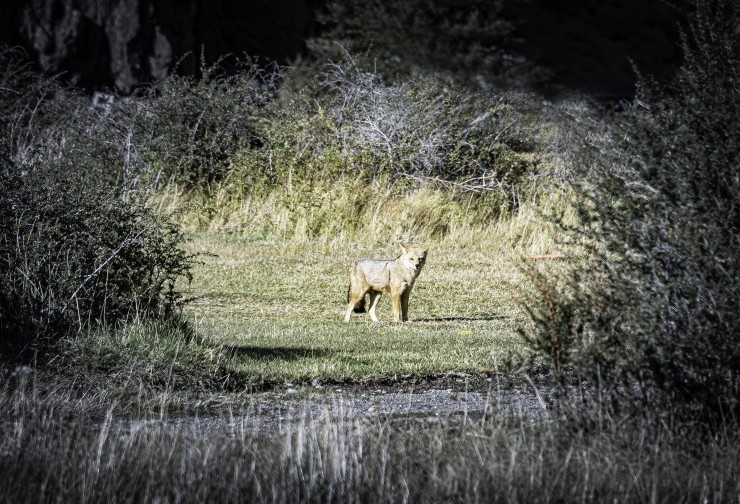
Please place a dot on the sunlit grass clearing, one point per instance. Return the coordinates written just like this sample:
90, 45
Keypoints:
278, 307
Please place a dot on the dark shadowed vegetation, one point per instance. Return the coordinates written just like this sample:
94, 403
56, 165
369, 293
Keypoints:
472, 39
79, 246
652, 317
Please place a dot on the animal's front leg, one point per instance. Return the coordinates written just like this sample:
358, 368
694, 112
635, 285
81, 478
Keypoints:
396, 302
405, 304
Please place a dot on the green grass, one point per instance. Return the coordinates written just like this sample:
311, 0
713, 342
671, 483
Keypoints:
268, 302
278, 307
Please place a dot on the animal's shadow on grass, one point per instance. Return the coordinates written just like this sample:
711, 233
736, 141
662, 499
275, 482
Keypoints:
280, 353
484, 318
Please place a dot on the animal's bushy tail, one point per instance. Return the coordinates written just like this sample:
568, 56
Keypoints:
360, 305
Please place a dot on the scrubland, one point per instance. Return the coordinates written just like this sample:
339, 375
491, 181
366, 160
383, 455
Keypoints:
184, 253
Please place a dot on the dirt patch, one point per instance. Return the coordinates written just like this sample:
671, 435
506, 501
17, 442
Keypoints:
270, 413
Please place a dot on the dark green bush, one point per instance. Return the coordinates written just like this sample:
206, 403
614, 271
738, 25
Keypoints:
178, 130
188, 129
658, 194
73, 253
77, 246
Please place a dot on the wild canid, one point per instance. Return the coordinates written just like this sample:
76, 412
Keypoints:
375, 276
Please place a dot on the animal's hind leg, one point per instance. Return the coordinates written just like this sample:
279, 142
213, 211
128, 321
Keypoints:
354, 297
374, 298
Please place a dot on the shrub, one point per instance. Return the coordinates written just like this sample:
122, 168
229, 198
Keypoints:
427, 129
658, 195
76, 244
427, 126
323, 150
187, 128
72, 253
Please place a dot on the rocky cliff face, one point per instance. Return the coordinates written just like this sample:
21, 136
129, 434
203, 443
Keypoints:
117, 44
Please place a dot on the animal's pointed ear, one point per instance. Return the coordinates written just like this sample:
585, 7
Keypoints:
405, 247
424, 248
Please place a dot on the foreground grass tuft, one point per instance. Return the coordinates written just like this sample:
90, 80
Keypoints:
318, 458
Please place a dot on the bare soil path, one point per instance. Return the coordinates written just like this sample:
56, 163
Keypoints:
269, 413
